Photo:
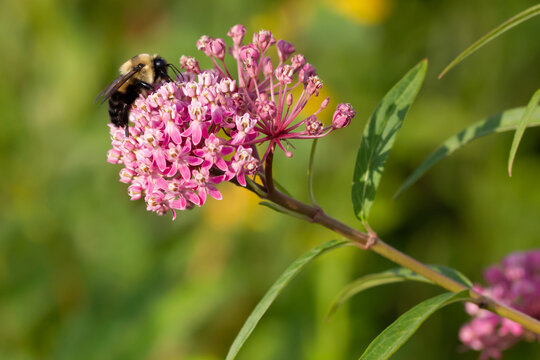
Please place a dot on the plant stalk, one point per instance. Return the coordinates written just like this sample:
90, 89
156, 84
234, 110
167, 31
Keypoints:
363, 240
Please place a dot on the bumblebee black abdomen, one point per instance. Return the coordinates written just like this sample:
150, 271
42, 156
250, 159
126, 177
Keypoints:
119, 105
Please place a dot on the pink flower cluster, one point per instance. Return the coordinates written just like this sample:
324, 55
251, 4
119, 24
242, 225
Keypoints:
205, 127
516, 283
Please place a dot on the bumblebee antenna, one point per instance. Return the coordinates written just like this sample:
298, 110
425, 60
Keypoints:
176, 72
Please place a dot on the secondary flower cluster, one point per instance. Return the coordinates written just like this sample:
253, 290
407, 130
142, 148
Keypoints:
515, 282
204, 128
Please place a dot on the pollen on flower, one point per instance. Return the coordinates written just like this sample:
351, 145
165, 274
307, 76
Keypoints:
209, 126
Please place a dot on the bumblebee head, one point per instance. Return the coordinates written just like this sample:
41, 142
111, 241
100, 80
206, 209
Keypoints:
160, 68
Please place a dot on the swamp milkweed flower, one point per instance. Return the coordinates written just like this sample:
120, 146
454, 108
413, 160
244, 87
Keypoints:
208, 127
516, 283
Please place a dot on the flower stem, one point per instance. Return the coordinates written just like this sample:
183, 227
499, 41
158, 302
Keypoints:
317, 215
269, 180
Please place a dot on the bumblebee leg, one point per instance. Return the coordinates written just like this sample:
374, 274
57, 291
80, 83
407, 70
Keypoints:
125, 119
145, 85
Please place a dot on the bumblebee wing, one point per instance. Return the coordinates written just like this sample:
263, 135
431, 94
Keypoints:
115, 85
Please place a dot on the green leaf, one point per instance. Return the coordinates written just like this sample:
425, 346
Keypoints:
283, 210
521, 129
281, 188
505, 121
274, 291
255, 187
507, 25
395, 335
388, 277
378, 138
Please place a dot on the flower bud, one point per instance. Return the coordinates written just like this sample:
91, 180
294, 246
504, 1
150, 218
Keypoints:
266, 108
217, 48
263, 39
203, 44
284, 74
324, 104
289, 99
298, 61
305, 72
343, 116
267, 67
237, 33
314, 126
285, 49
239, 101
250, 55
190, 64
313, 85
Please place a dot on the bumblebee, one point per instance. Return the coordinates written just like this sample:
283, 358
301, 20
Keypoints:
137, 75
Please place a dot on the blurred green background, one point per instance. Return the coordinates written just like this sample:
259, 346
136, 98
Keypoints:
87, 274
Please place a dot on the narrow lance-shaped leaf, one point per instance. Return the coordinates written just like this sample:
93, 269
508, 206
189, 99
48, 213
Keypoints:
274, 291
389, 277
507, 25
506, 121
395, 335
378, 138
527, 115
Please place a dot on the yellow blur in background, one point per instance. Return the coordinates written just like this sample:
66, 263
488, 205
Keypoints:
369, 12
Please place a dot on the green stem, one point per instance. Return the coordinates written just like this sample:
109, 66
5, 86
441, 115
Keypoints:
310, 173
317, 215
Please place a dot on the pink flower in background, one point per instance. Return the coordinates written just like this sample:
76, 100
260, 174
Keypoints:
516, 283
188, 136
